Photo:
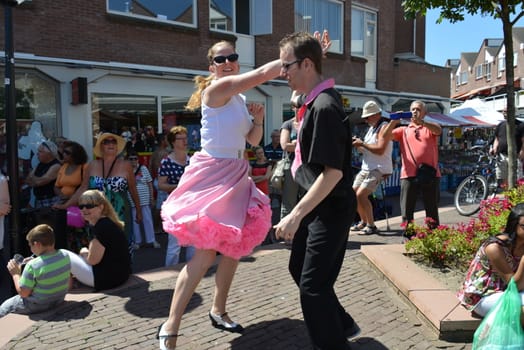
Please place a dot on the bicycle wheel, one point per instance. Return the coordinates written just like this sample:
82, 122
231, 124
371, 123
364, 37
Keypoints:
470, 192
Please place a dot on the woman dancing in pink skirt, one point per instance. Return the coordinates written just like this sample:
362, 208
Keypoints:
216, 206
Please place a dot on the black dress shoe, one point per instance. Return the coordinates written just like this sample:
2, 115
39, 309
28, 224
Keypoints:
353, 331
218, 322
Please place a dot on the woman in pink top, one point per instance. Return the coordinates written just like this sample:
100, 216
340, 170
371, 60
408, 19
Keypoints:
216, 206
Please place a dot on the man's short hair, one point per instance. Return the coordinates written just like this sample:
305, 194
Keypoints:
304, 46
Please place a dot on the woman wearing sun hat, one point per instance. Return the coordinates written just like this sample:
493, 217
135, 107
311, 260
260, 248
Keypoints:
113, 175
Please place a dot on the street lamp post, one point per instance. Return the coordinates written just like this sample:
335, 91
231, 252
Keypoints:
11, 128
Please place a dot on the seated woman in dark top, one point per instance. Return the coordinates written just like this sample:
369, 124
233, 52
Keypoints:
42, 178
106, 262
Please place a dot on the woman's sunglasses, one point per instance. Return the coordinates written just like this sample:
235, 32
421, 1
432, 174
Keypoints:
109, 142
221, 59
87, 206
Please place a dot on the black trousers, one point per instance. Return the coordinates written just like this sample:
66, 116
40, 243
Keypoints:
316, 258
409, 191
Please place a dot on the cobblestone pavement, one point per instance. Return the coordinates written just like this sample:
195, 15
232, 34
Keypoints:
263, 299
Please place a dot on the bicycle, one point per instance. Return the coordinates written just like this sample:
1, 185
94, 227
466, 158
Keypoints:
481, 184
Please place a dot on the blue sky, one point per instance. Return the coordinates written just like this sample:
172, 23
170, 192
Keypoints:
448, 40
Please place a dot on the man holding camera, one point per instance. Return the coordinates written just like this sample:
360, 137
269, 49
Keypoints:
419, 153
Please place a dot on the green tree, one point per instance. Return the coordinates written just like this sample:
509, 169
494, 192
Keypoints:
509, 12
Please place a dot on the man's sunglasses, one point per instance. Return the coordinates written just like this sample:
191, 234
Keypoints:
87, 206
221, 59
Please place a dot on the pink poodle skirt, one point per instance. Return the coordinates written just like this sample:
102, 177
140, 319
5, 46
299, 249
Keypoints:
217, 206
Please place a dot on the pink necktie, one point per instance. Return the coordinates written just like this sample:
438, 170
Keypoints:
297, 161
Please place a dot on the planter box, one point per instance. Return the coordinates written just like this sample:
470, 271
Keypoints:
439, 306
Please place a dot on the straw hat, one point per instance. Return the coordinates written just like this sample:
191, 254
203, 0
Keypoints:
370, 108
120, 143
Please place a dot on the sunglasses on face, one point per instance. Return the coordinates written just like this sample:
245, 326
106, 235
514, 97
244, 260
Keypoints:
221, 59
109, 142
133, 158
286, 66
87, 206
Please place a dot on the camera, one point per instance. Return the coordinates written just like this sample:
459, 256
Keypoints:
400, 115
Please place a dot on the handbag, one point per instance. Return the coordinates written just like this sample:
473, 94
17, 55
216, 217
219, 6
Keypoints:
74, 217
277, 177
501, 328
425, 172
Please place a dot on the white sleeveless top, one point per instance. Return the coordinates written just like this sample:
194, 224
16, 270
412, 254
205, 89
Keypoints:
224, 129
372, 161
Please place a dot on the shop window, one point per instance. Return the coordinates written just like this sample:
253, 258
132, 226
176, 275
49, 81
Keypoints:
118, 114
174, 113
37, 117
179, 12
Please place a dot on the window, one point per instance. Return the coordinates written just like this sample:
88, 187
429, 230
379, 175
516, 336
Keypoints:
222, 15
502, 65
181, 12
37, 116
463, 77
363, 36
253, 17
478, 71
487, 70
174, 113
317, 15
113, 111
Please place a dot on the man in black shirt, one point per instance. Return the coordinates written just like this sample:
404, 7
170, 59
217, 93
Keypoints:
318, 225
500, 148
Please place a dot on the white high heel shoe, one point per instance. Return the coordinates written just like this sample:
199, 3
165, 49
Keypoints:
162, 335
218, 322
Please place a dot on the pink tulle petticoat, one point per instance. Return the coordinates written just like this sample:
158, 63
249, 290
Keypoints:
217, 206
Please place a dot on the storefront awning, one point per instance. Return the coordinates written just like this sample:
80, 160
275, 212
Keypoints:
446, 120
477, 112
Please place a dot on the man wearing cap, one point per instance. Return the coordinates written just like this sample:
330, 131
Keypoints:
42, 178
376, 164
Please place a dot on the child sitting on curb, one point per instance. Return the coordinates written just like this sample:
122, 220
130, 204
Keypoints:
44, 281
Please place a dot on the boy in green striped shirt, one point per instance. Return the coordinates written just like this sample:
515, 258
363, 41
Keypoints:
44, 281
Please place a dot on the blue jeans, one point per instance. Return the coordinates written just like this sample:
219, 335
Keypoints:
173, 251
20, 305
